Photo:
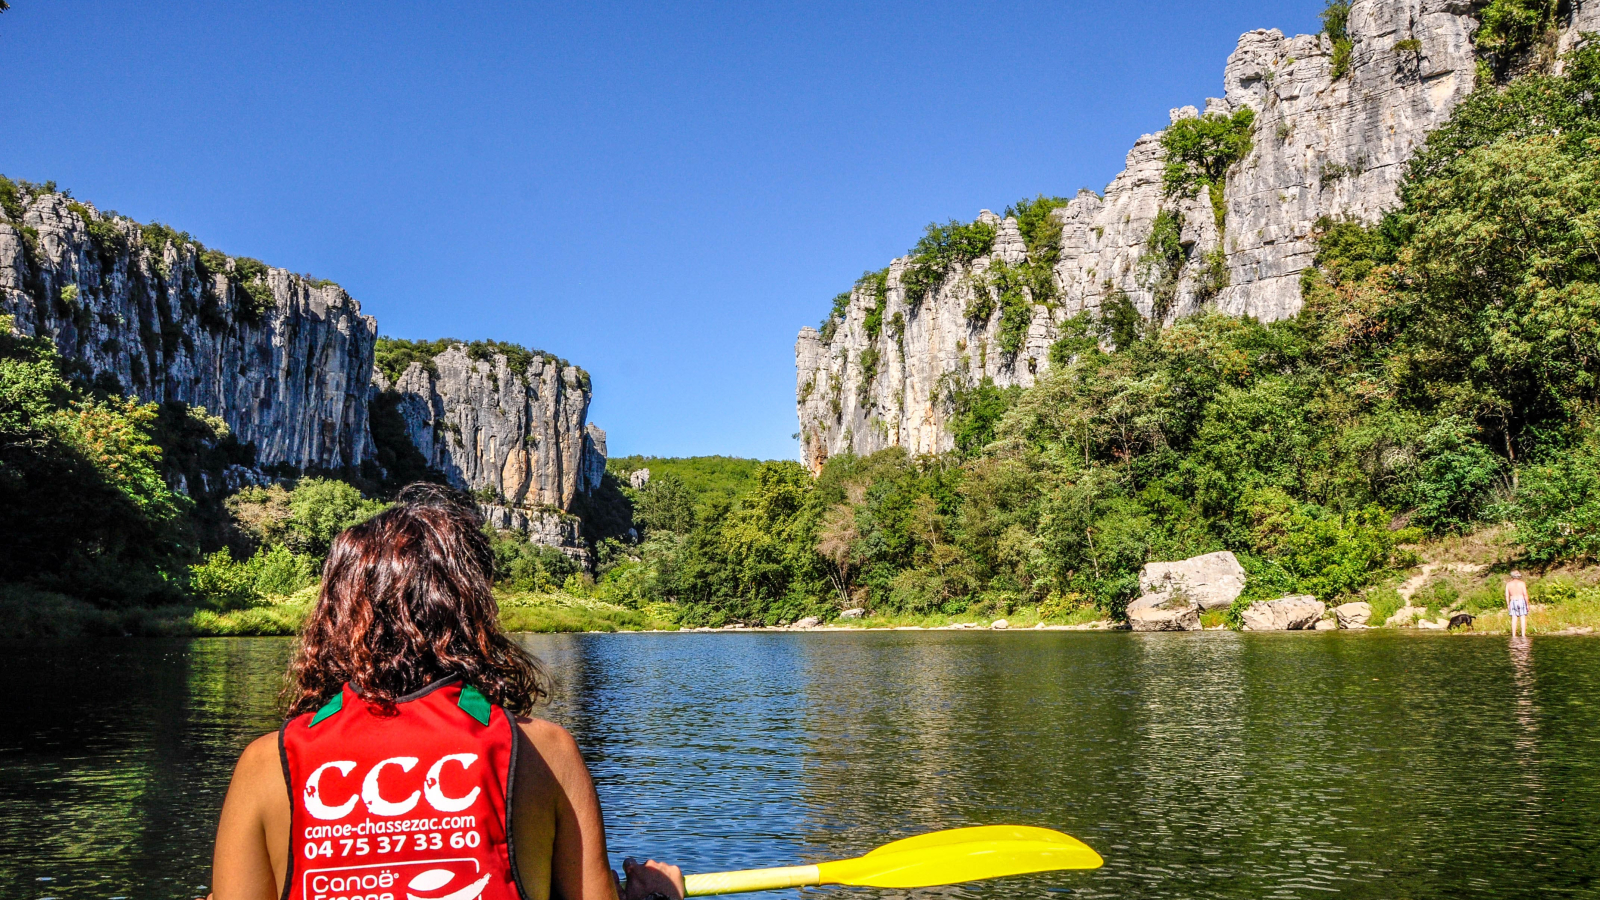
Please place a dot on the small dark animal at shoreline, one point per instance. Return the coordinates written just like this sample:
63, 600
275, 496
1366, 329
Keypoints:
1460, 620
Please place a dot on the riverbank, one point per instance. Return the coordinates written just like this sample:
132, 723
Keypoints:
60, 617
27, 613
1457, 575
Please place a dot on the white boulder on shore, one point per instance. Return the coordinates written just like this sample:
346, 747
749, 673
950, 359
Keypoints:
1172, 594
1354, 614
1210, 581
856, 613
1173, 614
1296, 613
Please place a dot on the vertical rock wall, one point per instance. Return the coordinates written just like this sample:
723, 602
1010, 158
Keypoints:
291, 379
1323, 147
519, 434
290, 369
1333, 148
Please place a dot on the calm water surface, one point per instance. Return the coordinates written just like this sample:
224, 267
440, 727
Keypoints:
1199, 765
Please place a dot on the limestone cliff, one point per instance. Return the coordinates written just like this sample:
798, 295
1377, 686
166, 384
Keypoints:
286, 361
1321, 147
513, 429
283, 359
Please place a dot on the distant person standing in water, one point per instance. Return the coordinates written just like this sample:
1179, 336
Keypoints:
1517, 603
409, 766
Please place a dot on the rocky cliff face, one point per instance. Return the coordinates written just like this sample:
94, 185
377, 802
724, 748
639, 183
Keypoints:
287, 361
284, 360
1327, 147
517, 433
1322, 147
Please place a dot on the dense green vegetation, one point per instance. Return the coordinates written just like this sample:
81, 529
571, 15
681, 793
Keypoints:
940, 248
1509, 29
393, 355
1200, 151
1336, 25
1441, 377
1161, 261
89, 512
725, 476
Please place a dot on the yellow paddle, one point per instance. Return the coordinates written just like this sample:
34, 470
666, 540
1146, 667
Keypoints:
943, 857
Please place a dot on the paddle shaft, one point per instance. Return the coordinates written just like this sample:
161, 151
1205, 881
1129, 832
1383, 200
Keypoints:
751, 880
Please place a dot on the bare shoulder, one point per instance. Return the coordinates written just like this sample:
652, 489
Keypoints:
555, 745
547, 735
261, 756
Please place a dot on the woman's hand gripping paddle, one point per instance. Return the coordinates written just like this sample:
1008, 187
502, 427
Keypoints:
943, 857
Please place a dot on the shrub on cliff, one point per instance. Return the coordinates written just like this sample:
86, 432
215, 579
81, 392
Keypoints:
940, 248
1335, 25
1200, 151
392, 356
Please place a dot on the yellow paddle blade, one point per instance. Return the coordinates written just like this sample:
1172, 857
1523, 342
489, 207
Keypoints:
955, 863
943, 857
978, 833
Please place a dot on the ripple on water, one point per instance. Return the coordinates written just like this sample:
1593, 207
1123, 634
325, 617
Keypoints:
1213, 765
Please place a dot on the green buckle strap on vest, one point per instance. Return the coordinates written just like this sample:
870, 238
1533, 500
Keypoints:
329, 708
475, 704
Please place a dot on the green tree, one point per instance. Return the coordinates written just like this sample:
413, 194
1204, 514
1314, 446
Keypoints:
84, 507
1201, 150
1336, 25
940, 248
665, 504
1557, 509
320, 508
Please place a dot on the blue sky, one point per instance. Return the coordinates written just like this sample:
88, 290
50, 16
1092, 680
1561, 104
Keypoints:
662, 193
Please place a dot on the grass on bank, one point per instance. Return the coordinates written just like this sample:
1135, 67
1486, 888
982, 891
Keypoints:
1025, 617
519, 611
30, 613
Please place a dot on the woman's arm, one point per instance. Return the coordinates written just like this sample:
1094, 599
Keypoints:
246, 865
581, 869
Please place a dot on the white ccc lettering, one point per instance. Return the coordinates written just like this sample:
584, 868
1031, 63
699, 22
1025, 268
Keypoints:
314, 804
436, 797
375, 801
318, 806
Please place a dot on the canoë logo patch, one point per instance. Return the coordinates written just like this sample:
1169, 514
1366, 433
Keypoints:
425, 879
434, 880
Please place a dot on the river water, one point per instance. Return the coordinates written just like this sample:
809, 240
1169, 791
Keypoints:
1199, 765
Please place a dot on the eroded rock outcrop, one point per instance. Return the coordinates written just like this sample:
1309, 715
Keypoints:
1169, 613
285, 360
1354, 614
547, 526
1323, 147
514, 432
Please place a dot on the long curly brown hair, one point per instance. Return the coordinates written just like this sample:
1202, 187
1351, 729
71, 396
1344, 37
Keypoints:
405, 601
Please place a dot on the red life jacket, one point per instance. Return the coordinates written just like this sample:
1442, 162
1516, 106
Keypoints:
413, 805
